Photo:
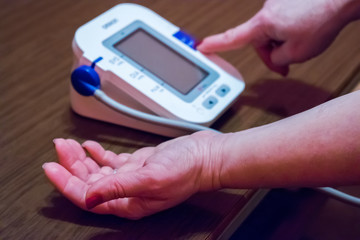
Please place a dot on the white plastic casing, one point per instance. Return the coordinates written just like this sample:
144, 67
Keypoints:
126, 84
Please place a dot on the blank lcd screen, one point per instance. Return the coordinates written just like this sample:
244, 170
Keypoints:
161, 60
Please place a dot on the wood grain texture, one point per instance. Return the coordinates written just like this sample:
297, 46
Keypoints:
35, 63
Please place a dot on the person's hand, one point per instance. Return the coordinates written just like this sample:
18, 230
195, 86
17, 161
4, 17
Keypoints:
285, 32
139, 184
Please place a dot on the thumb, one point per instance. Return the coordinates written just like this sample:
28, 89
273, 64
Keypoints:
266, 53
128, 184
282, 55
231, 39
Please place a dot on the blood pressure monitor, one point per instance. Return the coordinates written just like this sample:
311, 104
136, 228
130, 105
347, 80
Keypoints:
149, 64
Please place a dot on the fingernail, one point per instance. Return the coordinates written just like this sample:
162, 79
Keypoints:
93, 201
55, 140
44, 165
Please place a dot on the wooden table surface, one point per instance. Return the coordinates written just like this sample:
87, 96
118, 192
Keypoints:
35, 63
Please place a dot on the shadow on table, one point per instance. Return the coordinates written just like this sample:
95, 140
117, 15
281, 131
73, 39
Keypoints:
281, 97
282, 214
200, 214
284, 97
113, 134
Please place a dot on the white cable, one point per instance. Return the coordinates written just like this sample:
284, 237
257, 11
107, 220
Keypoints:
102, 97
341, 196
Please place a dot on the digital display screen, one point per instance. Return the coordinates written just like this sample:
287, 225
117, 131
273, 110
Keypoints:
161, 60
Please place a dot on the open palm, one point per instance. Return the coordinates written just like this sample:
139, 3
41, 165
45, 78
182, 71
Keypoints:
128, 185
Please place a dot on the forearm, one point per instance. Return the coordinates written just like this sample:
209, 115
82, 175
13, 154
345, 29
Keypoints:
318, 147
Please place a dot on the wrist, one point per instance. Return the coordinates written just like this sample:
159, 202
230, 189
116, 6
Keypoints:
209, 154
230, 149
234, 150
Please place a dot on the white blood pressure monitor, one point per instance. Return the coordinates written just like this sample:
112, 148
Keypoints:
149, 64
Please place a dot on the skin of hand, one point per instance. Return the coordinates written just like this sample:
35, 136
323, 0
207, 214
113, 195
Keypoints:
319, 147
285, 32
148, 181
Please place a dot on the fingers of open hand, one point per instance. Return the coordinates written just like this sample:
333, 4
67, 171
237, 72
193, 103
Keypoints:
70, 186
121, 194
68, 151
105, 157
73, 157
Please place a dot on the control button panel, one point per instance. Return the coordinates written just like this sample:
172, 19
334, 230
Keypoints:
223, 90
210, 102
186, 38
